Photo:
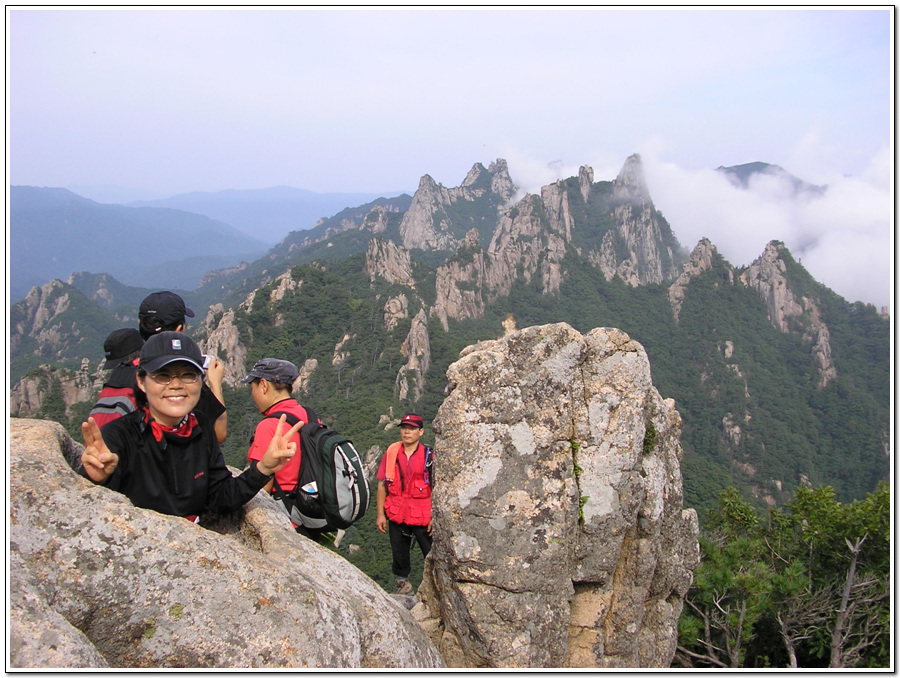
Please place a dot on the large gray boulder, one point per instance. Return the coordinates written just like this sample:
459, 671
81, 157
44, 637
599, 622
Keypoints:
96, 582
560, 537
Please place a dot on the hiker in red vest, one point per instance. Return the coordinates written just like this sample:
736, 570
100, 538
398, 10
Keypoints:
403, 499
122, 348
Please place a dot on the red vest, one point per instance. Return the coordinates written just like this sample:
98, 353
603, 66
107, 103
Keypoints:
408, 498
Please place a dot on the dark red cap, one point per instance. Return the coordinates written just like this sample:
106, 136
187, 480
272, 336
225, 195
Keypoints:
412, 420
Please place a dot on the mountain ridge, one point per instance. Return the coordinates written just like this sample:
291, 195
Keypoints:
266, 213
52, 230
762, 361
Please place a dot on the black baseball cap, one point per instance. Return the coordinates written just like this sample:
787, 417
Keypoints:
274, 370
169, 347
119, 344
167, 306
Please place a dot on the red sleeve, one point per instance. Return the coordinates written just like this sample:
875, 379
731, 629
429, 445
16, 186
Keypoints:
261, 438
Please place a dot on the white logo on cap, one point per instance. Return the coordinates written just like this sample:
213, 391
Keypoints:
176, 344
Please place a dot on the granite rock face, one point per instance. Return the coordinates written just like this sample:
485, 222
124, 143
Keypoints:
768, 276
561, 538
98, 583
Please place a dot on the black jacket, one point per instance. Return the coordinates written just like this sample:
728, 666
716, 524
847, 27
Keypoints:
178, 476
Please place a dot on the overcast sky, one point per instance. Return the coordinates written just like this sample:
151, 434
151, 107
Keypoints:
161, 102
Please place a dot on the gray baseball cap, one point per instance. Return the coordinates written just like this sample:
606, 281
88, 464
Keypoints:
274, 370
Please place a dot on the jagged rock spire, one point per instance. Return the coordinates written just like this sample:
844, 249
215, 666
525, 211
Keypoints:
768, 276
701, 260
631, 184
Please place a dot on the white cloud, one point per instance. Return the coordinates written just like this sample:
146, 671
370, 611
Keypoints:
843, 238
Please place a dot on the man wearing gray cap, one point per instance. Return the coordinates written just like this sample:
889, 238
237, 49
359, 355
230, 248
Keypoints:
271, 383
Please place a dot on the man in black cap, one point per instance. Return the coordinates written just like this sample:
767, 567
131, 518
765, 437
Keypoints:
122, 349
166, 312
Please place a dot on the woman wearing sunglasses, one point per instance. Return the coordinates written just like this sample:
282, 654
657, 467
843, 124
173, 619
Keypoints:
164, 456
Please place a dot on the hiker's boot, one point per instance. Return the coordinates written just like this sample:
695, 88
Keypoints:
404, 587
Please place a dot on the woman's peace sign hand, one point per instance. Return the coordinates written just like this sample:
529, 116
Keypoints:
98, 461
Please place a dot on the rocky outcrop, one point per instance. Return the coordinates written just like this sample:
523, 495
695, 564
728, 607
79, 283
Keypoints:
459, 283
33, 314
522, 245
390, 262
555, 201
376, 220
223, 341
561, 539
301, 383
416, 348
427, 225
96, 583
767, 275
395, 310
341, 352
28, 396
701, 260
649, 259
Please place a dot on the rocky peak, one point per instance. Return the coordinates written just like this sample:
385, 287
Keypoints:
701, 260
501, 182
473, 176
585, 181
631, 185
40, 305
49, 317
426, 225
767, 275
561, 536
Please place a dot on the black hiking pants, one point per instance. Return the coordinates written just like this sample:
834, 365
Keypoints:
401, 542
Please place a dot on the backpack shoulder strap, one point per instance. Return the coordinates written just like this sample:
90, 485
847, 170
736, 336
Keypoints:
429, 462
290, 419
311, 417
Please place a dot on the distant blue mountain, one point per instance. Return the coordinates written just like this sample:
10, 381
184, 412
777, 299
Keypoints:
54, 233
267, 214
